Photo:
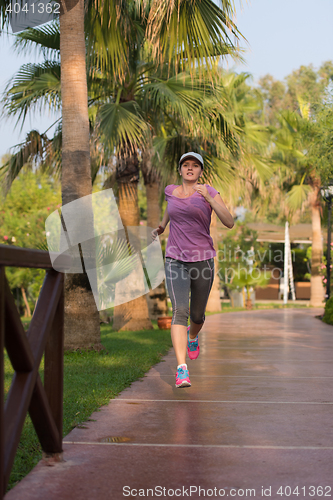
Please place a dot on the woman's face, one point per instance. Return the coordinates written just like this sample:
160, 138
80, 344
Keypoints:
190, 169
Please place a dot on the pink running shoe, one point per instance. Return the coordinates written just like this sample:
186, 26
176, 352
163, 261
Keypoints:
182, 377
193, 348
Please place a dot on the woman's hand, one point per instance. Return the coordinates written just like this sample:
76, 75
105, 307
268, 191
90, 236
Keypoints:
156, 232
202, 189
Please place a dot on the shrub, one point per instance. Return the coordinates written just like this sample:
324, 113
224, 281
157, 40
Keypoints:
328, 315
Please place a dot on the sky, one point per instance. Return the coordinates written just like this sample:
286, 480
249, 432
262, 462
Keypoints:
282, 35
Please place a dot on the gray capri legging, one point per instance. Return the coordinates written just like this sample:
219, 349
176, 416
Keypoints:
180, 278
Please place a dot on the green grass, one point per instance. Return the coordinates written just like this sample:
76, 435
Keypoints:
91, 379
226, 307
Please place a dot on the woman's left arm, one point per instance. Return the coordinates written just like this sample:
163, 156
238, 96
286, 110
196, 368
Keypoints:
217, 205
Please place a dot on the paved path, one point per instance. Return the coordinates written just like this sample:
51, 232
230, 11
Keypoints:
258, 414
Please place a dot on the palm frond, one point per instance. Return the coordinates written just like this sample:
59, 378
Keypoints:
179, 95
297, 196
108, 26
220, 171
189, 32
122, 124
34, 87
244, 278
114, 263
4, 15
45, 40
38, 149
33, 147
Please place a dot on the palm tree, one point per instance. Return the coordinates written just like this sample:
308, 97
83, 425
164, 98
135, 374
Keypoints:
242, 145
127, 167
234, 147
157, 298
81, 315
303, 182
244, 279
180, 34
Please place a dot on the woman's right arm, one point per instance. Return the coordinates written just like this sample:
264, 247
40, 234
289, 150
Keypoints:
160, 229
165, 219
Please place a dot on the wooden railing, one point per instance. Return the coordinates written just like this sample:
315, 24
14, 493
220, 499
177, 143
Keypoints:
25, 351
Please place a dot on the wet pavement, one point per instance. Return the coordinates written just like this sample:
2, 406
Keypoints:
257, 421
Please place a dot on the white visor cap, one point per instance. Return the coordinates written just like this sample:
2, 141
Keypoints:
193, 155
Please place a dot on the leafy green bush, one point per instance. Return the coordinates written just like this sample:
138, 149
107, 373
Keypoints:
300, 257
328, 315
31, 199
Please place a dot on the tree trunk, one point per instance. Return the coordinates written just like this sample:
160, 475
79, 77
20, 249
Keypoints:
157, 298
27, 312
82, 328
248, 299
133, 314
317, 289
214, 302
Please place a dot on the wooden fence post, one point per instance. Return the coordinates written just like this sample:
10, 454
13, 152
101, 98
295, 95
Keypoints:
2, 337
25, 350
54, 365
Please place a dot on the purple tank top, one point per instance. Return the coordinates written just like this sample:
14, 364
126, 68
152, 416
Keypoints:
189, 237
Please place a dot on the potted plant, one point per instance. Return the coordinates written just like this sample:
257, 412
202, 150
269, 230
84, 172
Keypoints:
164, 322
244, 280
235, 294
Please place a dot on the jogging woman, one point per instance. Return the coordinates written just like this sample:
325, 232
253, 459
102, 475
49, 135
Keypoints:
189, 256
